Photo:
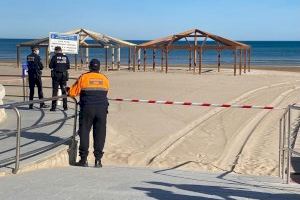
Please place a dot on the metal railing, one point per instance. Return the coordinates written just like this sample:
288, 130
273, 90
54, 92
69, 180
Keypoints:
24, 84
288, 133
19, 129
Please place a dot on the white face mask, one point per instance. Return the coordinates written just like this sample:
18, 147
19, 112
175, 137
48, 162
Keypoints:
37, 52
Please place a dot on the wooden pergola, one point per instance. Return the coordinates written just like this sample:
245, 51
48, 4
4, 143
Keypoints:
196, 46
99, 41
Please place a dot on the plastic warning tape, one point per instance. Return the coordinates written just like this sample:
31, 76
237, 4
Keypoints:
195, 104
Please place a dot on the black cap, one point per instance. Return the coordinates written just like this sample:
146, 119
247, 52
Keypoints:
94, 65
57, 48
34, 48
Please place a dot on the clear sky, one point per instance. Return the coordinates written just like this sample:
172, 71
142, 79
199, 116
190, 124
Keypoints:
149, 19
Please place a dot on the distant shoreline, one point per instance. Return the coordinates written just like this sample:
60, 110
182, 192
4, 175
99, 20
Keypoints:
225, 66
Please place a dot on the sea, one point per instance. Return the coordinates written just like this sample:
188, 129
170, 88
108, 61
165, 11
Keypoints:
263, 53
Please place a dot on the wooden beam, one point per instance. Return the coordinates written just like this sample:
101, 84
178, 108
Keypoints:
134, 58
76, 67
106, 59
245, 60
249, 59
167, 52
162, 60
240, 64
190, 59
18, 57
87, 57
195, 53
200, 60
153, 59
139, 58
118, 58
234, 64
219, 60
145, 57
129, 57
46, 57
112, 58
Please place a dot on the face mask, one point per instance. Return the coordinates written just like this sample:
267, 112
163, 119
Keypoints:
37, 52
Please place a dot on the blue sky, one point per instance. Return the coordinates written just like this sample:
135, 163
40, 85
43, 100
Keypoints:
149, 19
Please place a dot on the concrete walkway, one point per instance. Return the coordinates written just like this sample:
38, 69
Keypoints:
34, 139
137, 183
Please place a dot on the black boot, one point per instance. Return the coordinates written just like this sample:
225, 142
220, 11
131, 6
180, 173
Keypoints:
98, 164
82, 163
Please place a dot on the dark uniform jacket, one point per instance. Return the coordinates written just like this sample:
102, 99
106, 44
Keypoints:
35, 66
92, 88
59, 63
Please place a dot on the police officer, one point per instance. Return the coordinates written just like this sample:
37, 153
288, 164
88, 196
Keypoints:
92, 88
59, 64
35, 68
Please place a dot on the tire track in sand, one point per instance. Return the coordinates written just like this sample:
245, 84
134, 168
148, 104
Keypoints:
166, 143
232, 151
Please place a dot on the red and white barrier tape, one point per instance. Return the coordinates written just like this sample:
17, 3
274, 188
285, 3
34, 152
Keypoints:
196, 104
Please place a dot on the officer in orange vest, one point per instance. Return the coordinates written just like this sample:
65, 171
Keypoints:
92, 88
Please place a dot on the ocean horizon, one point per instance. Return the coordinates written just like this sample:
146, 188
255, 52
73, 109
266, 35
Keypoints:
263, 53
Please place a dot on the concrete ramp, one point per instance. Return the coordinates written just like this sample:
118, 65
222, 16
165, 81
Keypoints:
40, 147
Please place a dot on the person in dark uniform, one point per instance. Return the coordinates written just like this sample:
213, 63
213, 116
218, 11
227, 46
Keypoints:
59, 65
35, 68
92, 88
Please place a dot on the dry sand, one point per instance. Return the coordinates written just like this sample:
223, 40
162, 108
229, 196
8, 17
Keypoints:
198, 138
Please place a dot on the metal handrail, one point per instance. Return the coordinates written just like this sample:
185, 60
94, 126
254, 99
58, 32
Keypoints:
15, 106
286, 147
20, 76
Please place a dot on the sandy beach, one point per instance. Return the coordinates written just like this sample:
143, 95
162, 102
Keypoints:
196, 138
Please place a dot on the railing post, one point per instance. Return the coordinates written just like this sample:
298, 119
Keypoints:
280, 148
73, 147
289, 148
18, 137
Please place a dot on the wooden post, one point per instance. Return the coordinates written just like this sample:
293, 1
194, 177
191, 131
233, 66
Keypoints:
200, 60
219, 60
162, 60
167, 52
134, 58
112, 58
145, 57
153, 59
81, 57
195, 53
87, 59
129, 58
245, 60
119, 58
106, 59
234, 64
76, 67
46, 57
249, 58
18, 57
190, 60
139, 59
240, 52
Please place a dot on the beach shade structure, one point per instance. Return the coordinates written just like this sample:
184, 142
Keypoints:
195, 42
87, 40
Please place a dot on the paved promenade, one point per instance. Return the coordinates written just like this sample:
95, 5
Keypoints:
137, 183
